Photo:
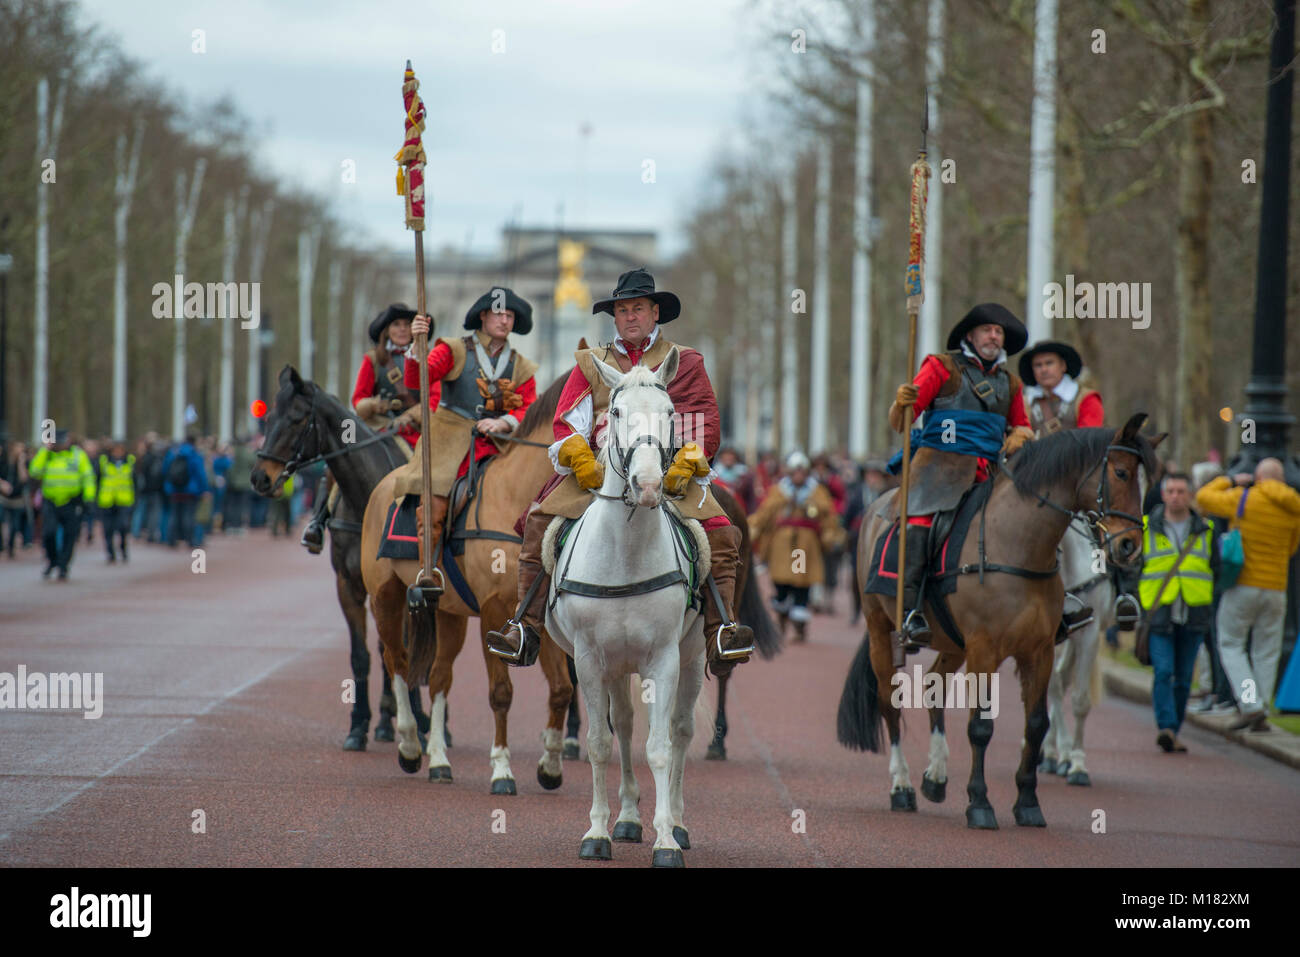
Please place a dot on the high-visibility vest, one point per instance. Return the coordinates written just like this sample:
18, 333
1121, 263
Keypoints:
64, 475
1194, 580
116, 482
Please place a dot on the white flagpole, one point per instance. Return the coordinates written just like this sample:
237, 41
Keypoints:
185, 210
123, 189
821, 311
1042, 171
234, 216
860, 347
47, 148
932, 307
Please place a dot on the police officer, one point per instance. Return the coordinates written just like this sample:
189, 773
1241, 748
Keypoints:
116, 495
67, 486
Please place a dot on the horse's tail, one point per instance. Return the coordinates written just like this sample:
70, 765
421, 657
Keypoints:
754, 615
858, 722
420, 636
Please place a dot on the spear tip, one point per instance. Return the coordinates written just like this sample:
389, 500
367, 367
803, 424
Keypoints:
408, 65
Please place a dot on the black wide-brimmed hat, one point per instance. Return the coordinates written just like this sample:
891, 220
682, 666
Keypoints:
398, 310
1015, 334
1073, 363
635, 284
516, 304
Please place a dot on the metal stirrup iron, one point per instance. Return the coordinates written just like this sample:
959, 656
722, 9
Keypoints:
727, 625
517, 621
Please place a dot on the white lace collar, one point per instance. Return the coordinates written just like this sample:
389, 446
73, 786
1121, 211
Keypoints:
654, 334
1065, 390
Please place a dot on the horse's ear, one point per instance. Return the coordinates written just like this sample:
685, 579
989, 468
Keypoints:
287, 375
1131, 427
608, 373
1156, 440
582, 344
667, 370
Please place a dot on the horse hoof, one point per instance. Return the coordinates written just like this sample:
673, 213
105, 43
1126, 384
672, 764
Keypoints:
596, 849
666, 857
547, 781
628, 832
571, 752
981, 818
1029, 816
904, 800
1047, 766
682, 838
1080, 778
934, 791
355, 741
441, 773
409, 765
384, 731
716, 752
499, 786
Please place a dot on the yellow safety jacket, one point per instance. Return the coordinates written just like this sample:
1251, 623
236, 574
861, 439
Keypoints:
64, 475
1194, 580
116, 482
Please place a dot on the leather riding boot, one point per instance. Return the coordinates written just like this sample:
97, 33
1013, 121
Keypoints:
521, 639
437, 515
313, 536
914, 627
720, 627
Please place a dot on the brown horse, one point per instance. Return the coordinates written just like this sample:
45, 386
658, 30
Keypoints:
489, 567
1011, 610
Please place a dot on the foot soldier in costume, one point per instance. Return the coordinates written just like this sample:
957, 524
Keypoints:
486, 387
382, 400
795, 522
638, 312
970, 401
1055, 399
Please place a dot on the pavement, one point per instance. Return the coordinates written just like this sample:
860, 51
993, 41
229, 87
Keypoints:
220, 744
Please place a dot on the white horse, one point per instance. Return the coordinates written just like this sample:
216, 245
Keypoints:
1076, 657
624, 539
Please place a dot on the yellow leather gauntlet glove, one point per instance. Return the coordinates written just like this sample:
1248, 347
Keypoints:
689, 462
576, 454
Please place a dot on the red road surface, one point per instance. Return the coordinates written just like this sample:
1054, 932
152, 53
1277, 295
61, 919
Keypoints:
223, 693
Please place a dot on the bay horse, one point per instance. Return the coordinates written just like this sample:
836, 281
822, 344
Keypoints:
489, 568
306, 424
621, 604
1013, 613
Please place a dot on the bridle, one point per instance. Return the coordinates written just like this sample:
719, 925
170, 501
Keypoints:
1095, 517
620, 458
296, 461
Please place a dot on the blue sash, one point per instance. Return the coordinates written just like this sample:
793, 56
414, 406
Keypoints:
971, 433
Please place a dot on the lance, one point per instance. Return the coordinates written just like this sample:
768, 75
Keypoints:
410, 183
914, 286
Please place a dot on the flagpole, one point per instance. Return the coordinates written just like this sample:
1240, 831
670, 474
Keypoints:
410, 183
914, 285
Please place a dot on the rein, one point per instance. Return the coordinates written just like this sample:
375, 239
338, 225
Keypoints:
1095, 517
612, 451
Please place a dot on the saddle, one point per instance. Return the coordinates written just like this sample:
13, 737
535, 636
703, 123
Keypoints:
401, 531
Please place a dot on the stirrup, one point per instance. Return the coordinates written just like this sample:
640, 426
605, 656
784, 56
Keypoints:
915, 630
1128, 612
1079, 617
521, 656
725, 655
314, 544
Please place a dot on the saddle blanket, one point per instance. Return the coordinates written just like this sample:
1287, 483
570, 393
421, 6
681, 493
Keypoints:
401, 537
884, 556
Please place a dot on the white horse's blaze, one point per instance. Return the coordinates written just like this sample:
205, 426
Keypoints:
937, 770
648, 634
408, 739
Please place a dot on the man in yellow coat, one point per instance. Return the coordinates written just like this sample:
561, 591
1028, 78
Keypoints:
794, 523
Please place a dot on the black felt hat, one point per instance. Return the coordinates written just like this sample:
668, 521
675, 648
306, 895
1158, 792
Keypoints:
635, 284
990, 312
398, 310
492, 298
1073, 363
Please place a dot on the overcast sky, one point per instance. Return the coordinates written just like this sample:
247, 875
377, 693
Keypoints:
659, 80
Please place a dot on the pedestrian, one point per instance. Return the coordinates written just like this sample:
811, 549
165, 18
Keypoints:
67, 484
279, 514
15, 496
237, 486
1267, 512
116, 496
1177, 591
92, 450
222, 461
185, 479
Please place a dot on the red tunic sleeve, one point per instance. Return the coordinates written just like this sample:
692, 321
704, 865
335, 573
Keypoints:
695, 402
365, 387
575, 387
1016, 415
440, 363
528, 392
932, 374
1091, 413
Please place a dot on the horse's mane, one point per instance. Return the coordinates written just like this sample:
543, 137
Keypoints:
1065, 455
543, 409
